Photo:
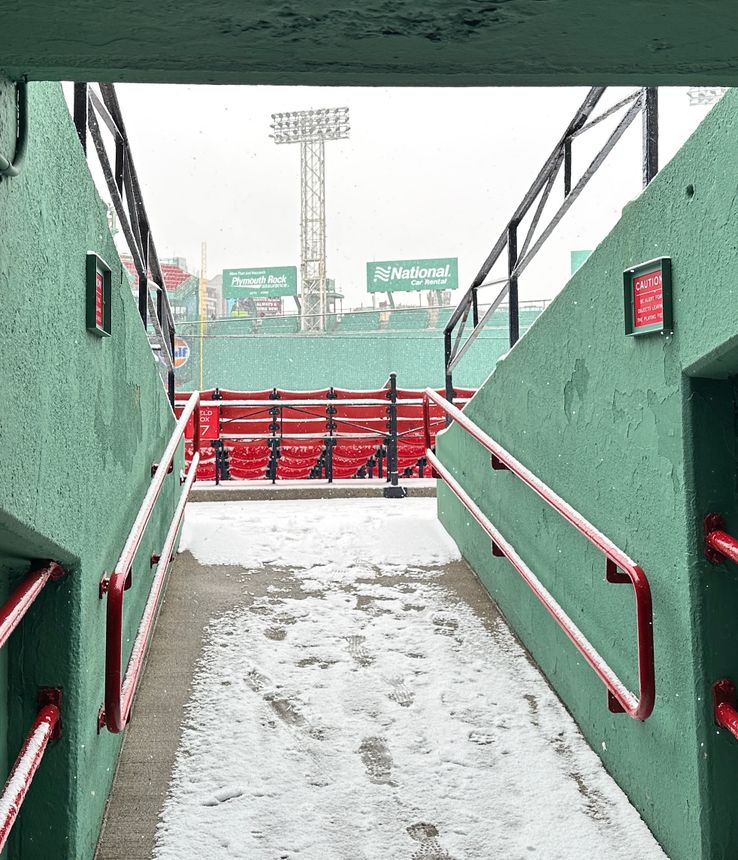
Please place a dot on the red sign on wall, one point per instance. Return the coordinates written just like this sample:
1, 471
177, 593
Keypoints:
99, 299
647, 291
648, 299
209, 424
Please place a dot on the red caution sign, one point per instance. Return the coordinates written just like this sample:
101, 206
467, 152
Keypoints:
647, 293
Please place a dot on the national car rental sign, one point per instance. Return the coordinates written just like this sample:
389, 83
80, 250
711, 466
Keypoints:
412, 275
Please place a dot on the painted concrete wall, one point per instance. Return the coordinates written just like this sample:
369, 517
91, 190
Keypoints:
82, 420
639, 434
362, 361
371, 43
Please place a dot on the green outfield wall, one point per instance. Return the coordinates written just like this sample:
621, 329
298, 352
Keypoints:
240, 361
82, 420
639, 434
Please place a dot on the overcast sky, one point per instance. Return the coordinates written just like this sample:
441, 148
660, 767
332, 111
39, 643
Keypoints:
425, 173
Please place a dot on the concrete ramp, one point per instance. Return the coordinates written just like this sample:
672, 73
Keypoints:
349, 691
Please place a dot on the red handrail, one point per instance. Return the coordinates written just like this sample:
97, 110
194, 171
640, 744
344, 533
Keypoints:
618, 568
46, 726
724, 710
20, 601
119, 689
719, 545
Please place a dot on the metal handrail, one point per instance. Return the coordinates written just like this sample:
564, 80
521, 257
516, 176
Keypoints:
619, 567
724, 705
46, 727
719, 545
645, 102
21, 600
125, 192
120, 689
10, 166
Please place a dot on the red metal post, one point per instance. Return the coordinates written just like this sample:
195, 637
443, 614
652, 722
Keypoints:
723, 697
44, 728
196, 429
426, 423
616, 561
719, 545
120, 690
20, 601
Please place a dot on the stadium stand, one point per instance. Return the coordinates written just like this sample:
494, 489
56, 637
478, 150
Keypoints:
328, 433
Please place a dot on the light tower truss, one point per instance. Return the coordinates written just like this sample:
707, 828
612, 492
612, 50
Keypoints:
311, 129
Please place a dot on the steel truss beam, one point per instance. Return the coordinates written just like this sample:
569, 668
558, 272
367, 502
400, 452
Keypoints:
645, 102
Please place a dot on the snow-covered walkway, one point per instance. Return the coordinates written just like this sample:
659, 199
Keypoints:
369, 704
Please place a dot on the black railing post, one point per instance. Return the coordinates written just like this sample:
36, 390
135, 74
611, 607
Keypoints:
171, 385
217, 444
274, 439
512, 261
394, 490
330, 441
81, 106
475, 306
449, 380
650, 134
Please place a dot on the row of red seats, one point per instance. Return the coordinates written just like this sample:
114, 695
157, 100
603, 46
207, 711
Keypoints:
246, 431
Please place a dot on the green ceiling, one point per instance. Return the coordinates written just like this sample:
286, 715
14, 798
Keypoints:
374, 42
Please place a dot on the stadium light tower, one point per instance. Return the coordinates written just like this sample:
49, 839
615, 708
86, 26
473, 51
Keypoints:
311, 129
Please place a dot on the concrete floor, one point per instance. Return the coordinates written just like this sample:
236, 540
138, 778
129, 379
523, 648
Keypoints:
195, 595
350, 703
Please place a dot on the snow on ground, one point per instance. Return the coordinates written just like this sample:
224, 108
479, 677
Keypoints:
363, 711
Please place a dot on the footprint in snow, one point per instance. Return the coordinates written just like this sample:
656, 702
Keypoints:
377, 760
429, 848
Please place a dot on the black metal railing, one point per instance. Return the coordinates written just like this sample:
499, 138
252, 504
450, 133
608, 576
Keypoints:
125, 193
643, 101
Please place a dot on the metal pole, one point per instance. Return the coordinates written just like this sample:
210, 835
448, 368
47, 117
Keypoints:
650, 134
512, 259
331, 427
449, 373
273, 441
394, 490
81, 107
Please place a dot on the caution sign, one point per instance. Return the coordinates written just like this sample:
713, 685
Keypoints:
647, 293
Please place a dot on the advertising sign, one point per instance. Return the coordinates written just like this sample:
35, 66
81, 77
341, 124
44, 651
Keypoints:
209, 424
647, 291
260, 283
181, 352
412, 275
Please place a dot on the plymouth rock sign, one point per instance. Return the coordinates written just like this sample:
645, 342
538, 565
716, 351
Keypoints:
269, 282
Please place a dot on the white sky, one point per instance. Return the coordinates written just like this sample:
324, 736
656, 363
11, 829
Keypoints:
426, 173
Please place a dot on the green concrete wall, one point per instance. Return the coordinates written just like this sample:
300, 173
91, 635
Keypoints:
372, 43
639, 434
359, 361
82, 420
